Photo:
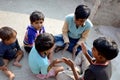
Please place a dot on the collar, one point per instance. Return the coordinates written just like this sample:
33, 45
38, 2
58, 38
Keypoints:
102, 64
83, 23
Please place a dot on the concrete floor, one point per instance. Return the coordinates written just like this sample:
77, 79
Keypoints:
16, 15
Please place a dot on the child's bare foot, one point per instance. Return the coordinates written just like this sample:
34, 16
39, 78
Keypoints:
17, 64
12, 76
58, 48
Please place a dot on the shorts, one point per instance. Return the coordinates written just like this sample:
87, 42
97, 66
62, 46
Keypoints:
1, 61
11, 54
50, 74
60, 42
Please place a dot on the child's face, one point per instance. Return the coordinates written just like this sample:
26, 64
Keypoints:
94, 52
37, 24
11, 40
97, 55
79, 22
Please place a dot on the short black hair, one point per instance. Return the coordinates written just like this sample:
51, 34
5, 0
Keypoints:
44, 42
6, 33
36, 15
106, 47
82, 12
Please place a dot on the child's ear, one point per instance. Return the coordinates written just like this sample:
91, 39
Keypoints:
45, 53
101, 57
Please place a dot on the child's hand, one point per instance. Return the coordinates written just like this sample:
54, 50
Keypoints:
65, 48
74, 51
3, 68
53, 63
56, 61
68, 62
84, 49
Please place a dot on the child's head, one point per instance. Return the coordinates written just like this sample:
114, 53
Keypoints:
37, 19
82, 12
44, 42
106, 48
8, 35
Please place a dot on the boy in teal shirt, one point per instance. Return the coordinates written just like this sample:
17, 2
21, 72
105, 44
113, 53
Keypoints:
75, 30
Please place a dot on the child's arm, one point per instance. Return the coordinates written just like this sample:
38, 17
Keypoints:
65, 32
71, 64
53, 63
81, 40
84, 50
84, 36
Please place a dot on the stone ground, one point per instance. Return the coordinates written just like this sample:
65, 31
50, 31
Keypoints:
16, 14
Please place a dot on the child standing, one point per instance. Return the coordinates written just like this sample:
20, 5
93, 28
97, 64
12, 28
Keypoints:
75, 30
9, 49
103, 51
33, 30
38, 61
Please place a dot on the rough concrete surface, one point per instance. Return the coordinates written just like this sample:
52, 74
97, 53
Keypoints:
15, 14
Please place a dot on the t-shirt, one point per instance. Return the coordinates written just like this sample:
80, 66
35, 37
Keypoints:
37, 63
31, 35
98, 72
8, 51
74, 32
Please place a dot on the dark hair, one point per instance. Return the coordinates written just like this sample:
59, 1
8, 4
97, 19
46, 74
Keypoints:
106, 48
82, 12
44, 42
36, 15
6, 33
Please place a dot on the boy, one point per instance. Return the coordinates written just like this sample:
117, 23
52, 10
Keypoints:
75, 30
103, 51
36, 28
38, 61
9, 49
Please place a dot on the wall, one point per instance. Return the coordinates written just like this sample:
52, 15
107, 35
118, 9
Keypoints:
108, 13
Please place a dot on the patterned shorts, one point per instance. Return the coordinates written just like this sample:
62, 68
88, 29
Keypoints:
50, 74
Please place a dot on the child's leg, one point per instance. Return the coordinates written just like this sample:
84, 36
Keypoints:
71, 46
57, 69
5, 62
81, 62
9, 74
19, 55
59, 42
6, 71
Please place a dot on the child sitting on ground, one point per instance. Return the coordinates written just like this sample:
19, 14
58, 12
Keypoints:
33, 30
38, 61
9, 49
103, 51
75, 31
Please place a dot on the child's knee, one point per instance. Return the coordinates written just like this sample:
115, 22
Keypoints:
62, 68
20, 52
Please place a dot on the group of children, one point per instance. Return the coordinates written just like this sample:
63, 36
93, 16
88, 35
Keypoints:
40, 46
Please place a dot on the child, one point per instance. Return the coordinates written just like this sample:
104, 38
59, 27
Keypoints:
38, 62
75, 30
9, 49
36, 28
81, 63
103, 51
